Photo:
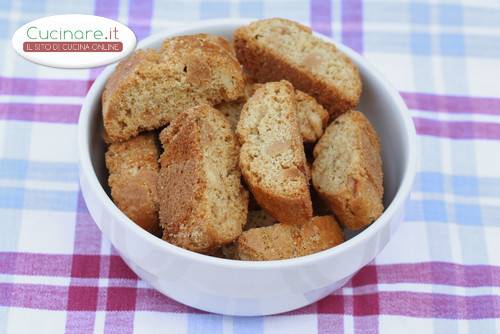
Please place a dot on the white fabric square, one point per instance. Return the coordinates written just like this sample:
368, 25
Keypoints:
402, 79
408, 245
487, 158
22, 320
50, 232
396, 324
478, 72
160, 322
304, 323
54, 142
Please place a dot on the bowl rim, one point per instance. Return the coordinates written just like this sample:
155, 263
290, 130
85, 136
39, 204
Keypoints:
86, 167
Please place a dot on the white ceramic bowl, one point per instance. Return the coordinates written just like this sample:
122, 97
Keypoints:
243, 287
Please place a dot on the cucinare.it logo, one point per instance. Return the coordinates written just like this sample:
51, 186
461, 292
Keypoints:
74, 41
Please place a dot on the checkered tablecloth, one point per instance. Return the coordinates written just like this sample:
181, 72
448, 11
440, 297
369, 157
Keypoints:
440, 273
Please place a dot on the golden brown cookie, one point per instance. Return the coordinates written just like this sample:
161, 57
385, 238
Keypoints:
133, 174
150, 88
277, 49
347, 170
281, 241
202, 202
272, 158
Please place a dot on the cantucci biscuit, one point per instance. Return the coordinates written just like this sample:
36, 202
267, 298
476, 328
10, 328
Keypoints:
202, 202
276, 49
312, 117
272, 158
133, 175
281, 241
347, 170
150, 88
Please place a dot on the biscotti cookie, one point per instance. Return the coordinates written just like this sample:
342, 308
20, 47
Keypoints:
150, 88
224, 43
133, 175
281, 241
202, 202
312, 117
176, 44
272, 158
276, 49
347, 170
